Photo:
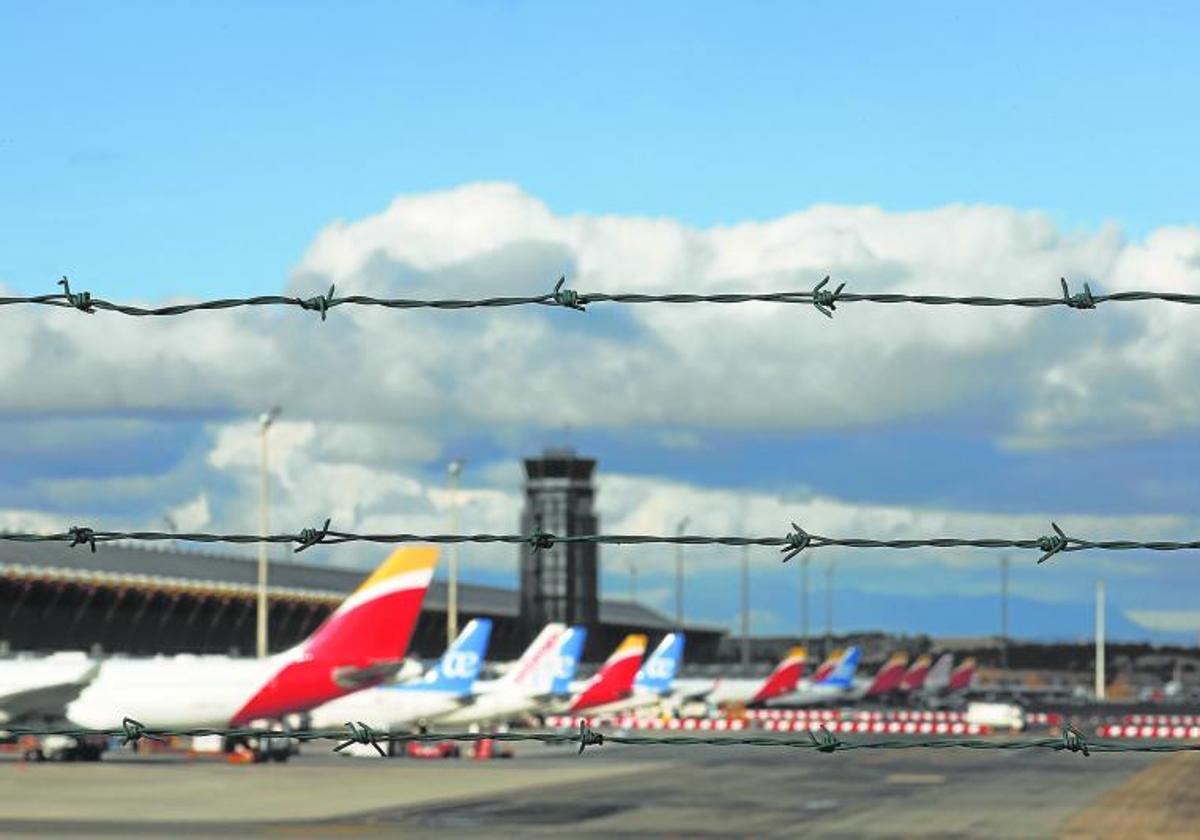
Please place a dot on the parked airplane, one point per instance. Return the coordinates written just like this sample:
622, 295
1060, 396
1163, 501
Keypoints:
722, 692
569, 652
32, 689
830, 683
939, 675
522, 688
962, 677
654, 680
443, 689
614, 680
913, 680
360, 644
886, 680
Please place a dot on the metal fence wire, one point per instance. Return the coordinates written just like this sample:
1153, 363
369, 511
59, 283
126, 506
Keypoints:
825, 301
820, 739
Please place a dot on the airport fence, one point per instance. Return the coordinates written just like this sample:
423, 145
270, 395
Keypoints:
820, 739
825, 301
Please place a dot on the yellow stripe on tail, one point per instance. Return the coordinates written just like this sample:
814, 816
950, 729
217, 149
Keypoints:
406, 558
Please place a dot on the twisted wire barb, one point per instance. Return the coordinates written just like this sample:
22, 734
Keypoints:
1071, 740
821, 298
790, 544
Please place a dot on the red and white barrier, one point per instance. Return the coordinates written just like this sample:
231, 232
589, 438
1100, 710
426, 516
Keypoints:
1176, 732
880, 727
1163, 720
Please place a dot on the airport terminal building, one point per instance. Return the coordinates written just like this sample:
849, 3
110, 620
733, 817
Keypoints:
144, 599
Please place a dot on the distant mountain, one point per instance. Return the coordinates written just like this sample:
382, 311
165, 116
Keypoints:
934, 616
776, 610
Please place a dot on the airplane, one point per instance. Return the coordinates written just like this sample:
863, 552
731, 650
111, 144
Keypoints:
35, 688
913, 680
360, 644
939, 675
654, 679
885, 681
962, 677
830, 683
723, 692
568, 662
394, 706
524, 687
614, 680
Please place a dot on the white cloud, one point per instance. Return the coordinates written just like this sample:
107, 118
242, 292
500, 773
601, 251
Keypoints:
371, 395
193, 515
1172, 621
1047, 377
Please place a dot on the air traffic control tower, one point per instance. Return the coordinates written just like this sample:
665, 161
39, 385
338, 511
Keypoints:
559, 583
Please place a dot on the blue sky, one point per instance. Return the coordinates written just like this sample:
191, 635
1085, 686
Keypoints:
153, 146
151, 150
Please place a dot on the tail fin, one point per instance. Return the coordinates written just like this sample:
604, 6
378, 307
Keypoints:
570, 645
614, 680
658, 672
358, 645
939, 674
784, 678
826, 668
960, 680
376, 622
889, 675
841, 675
460, 664
915, 676
534, 672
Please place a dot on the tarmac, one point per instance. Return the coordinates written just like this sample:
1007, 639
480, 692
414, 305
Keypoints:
614, 791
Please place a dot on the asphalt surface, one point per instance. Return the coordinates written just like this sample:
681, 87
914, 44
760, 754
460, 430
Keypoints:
612, 791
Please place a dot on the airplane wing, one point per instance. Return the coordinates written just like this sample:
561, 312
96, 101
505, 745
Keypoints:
351, 676
49, 700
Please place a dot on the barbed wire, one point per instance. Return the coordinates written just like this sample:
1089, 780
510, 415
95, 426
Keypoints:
822, 740
791, 544
822, 299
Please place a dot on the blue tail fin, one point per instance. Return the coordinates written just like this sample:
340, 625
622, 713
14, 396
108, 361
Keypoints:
570, 645
658, 672
843, 674
459, 666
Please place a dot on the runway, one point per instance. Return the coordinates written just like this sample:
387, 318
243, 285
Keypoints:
610, 791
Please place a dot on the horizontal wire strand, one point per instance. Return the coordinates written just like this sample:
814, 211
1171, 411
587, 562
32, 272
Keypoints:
824, 300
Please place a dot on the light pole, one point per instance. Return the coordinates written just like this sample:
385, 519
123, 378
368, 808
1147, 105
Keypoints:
804, 599
1099, 640
746, 609
1004, 612
264, 423
455, 470
829, 608
683, 523
632, 581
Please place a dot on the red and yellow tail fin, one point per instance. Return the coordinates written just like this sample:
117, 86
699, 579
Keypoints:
785, 677
614, 680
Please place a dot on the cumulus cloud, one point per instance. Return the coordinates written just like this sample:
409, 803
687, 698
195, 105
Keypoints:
1045, 378
371, 396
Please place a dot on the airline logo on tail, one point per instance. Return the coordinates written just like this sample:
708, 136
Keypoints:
961, 678
570, 647
889, 675
915, 676
614, 681
535, 671
784, 678
841, 672
459, 666
658, 673
357, 646
826, 667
